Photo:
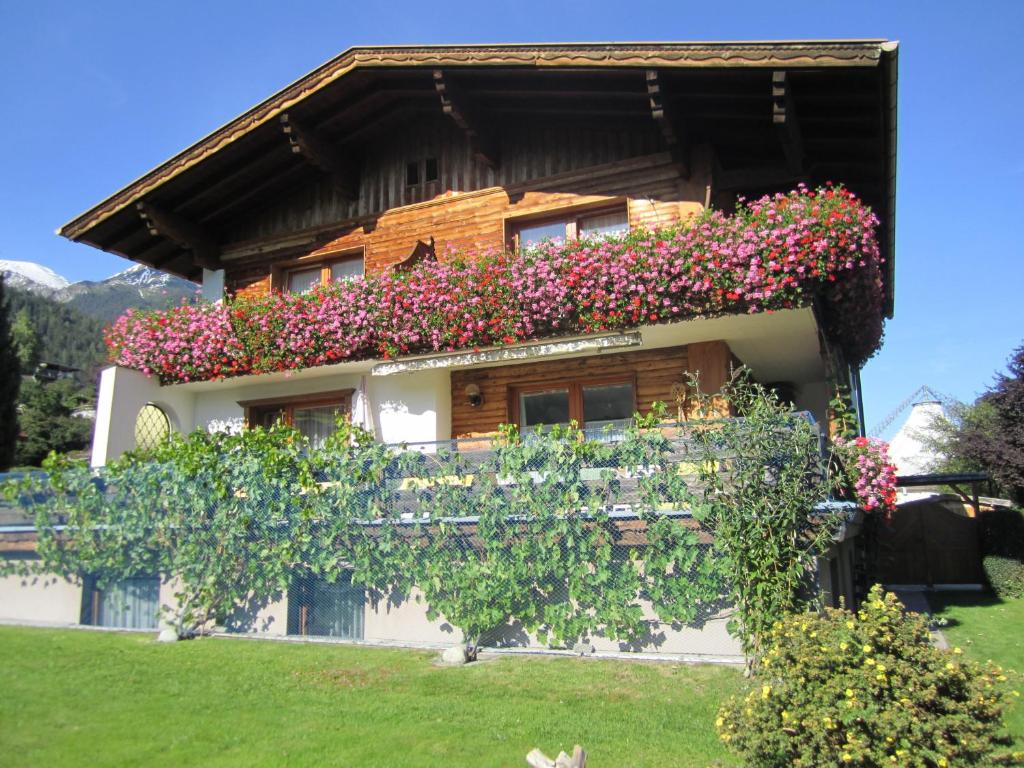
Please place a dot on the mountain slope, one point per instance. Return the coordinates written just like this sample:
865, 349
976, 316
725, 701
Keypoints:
138, 287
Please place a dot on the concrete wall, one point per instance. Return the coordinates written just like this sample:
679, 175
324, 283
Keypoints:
42, 599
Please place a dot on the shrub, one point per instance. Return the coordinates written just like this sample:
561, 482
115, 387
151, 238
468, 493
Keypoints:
866, 689
1005, 575
1002, 542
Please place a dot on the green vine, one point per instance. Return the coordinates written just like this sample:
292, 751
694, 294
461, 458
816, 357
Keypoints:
547, 533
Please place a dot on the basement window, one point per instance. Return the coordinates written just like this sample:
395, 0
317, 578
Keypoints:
126, 604
321, 608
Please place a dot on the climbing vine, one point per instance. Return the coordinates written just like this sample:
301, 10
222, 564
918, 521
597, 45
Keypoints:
548, 533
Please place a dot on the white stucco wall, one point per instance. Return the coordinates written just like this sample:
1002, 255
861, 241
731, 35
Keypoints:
412, 408
122, 394
40, 599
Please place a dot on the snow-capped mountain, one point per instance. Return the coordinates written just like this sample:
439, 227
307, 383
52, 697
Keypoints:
33, 277
142, 276
138, 286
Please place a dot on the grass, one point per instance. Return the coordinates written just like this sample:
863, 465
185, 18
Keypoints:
986, 627
94, 698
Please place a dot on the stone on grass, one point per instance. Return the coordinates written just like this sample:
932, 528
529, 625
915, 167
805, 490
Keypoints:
167, 635
456, 655
583, 649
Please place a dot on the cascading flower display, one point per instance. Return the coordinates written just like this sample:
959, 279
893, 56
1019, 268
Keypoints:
870, 474
774, 253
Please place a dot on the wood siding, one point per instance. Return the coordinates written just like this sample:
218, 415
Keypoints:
528, 151
462, 217
656, 372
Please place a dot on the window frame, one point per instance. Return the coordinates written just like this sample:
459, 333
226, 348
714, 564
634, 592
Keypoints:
575, 388
572, 216
281, 272
341, 398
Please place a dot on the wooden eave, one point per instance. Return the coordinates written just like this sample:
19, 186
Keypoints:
844, 92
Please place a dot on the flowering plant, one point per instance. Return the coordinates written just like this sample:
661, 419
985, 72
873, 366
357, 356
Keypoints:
775, 253
870, 475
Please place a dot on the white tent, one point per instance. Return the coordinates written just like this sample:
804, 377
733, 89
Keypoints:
908, 449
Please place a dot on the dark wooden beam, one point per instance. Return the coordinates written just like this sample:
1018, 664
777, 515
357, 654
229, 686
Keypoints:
184, 232
786, 124
752, 178
668, 122
455, 104
311, 146
281, 180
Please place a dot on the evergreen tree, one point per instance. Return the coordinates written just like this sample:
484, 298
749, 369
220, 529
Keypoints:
26, 341
47, 422
10, 382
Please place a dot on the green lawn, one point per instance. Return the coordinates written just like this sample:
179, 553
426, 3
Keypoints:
92, 698
986, 627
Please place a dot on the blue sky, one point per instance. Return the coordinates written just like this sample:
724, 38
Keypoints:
92, 95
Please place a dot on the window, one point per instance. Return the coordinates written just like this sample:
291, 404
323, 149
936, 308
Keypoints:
417, 171
607, 223
315, 416
152, 428
601, 409
430, 172
323, 608
306, 277
125, 604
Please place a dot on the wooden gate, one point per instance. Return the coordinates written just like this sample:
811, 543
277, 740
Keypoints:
929, 542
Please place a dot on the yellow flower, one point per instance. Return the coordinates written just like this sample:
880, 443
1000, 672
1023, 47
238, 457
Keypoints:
766, 691
942, 762
849, 693
844, 645
847, 757
957, 651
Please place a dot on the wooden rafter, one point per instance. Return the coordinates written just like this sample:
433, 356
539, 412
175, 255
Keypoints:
785, 120
184, 232
752, 178
318, 152
456, 105
668, 123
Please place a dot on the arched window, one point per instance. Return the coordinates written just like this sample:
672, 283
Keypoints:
152, 427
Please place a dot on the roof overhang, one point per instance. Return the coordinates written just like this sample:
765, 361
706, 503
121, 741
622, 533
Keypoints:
192, 194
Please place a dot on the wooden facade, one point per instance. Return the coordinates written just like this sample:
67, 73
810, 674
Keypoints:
494, 131
648, 187
657, 375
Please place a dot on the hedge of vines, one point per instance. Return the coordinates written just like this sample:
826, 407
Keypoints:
525, 534
774, 253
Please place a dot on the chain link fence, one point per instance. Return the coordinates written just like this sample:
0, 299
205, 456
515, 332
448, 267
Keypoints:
547, 539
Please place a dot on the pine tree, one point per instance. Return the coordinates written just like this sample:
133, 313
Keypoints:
10, 382
26, 341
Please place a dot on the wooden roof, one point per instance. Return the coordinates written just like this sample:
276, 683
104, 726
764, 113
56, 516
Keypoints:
735, 96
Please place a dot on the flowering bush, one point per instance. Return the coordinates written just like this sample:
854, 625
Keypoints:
774, 253
866, 689
870, 475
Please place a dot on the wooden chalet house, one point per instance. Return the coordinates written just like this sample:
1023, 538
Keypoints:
386, 160
384, 156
